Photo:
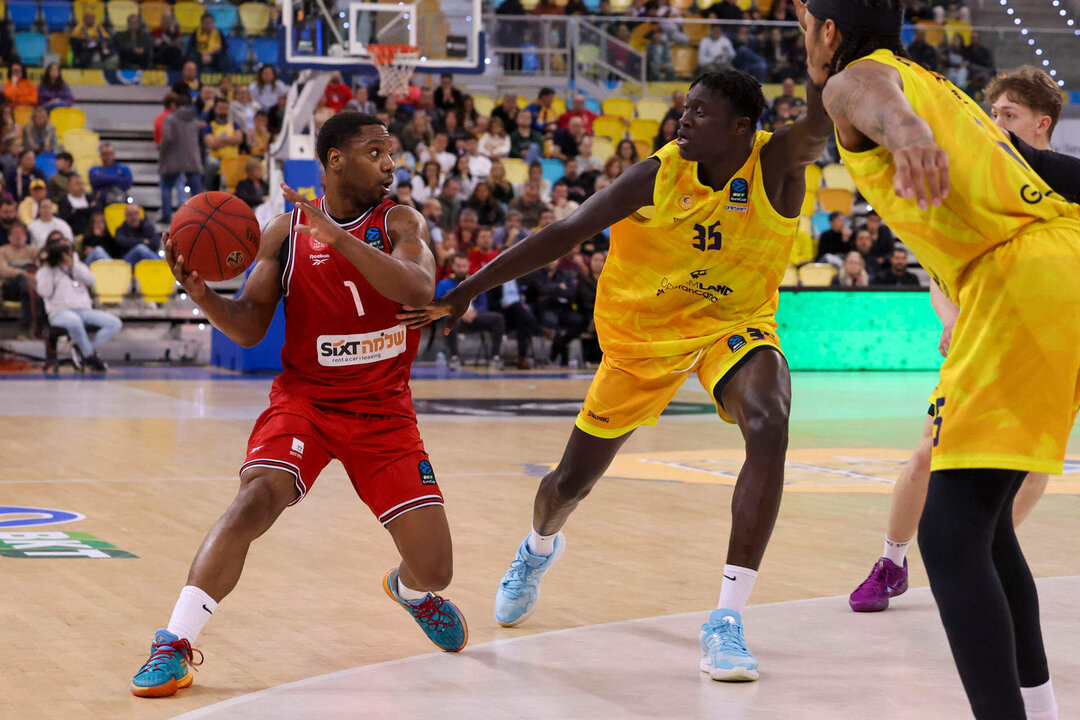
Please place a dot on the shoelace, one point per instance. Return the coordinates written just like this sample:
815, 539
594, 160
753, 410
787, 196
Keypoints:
876, 579
730, 640
164, 652
430, 612
514, 579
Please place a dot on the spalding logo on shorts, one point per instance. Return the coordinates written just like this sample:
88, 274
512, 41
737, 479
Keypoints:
373, 237
235, 259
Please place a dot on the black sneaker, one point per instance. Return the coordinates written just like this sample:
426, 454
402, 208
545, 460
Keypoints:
96, 364
77, 358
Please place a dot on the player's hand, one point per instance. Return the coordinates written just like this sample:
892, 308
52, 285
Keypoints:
922, 173
319, 225
191, 282
451, 306
800, 12
946, 341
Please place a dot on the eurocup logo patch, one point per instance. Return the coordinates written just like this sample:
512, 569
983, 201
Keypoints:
373, 237
735, 342
740, 191
427, 473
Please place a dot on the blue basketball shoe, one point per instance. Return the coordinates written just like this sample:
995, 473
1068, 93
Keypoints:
519, 589
168, 669
439, 618
724, 655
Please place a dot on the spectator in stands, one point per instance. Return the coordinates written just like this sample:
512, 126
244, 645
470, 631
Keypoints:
501, 189
168, 105
542, 111
361, 102
253, 189
20, 180
135, 44
922, 52
507, 111
8, 127
511, 32
259, 137
63, 283
428, 182
463, 174
136, 237
188, 84
4, 194
586, 161
417, 132
979, 56
836, 240
578, 187
438, 153
896, 271
862, 244
511, 231
91, 44
495, 143
53, 91
666, 134
450, 199
97, 242
626, 152
530, 205
18, 263
46, 223
266, 89
476, 319
678, 105
797, 55
469, 119
787, 93
780, 116
586, 305
9, 217
467, 230
882, 238
8, 52
561, 204
204, 106
556, 291
479, 165
74, 206
207, 46
578, 110
536, 175
658, 62
446, 96
110, 180
432, 211
222, 138
521, 318
613, 168
526, 142
853, 272
955, 62
18, 90
180, 154
724, 10
337, 93
242, 108
403, 196
39, 134
715, 50
489, 211
169, 45
565, 142
748, 57
484, 251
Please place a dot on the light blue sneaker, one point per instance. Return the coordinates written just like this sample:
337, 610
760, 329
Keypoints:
724, 655
519, 589
439, 618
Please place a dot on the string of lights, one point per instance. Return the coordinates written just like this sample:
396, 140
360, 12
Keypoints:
1029, 36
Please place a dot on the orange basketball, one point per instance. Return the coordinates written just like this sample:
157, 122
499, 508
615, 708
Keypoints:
217, 234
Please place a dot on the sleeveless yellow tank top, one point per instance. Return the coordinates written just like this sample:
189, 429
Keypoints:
682, 273
994, 194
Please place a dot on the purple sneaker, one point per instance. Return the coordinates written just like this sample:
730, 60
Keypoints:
887, 580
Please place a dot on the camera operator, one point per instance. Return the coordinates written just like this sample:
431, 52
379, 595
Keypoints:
64, 283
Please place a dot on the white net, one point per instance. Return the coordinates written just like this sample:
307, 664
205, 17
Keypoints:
394, 76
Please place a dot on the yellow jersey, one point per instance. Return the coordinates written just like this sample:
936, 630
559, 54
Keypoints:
994, 195
681, 273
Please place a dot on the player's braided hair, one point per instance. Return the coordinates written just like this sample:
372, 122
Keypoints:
856, 44
741, 90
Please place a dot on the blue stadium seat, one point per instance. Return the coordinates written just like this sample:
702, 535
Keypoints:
593, 105
23, 14
239, 49
1074, 97
820, 222
46, 163
593, 5
553, 169
57, 14
907, 34
266, 50
30, 46
225, 16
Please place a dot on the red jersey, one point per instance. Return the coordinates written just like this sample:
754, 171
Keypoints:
344, 348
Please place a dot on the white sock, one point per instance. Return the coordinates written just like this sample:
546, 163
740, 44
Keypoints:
1039, 703
193, 608
895, 551
408, 594
541, 545
735, 590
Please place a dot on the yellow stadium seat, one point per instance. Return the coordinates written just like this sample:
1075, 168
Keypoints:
189, 14
517, 171
644, 129
484, 104
67, 118
744, 5
695, 32
953, 27
817, 274
652, 109
60, 45
813, 178
558, 105
112, 280
22, 114
836, 199
80, 138
602, 148
934, 32
684, 60
619, 5
153, 10
114, 216
609, 126
791, 277
618, 106
119, 11
836, 175
644, 148
81, 7
683, 6
232, 171
254, 17
155, 280
523, 102
809, 204
639, 36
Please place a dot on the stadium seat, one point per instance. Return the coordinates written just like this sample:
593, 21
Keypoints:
618, 106
225, 16
22, 114
813, 178
817, 274
189, 15
517, 171
83, 162
232, 171
80, 141
602, 148
113, 280
114, 216
644, 148
155, 280
955, 27
683, 6
836, 175
558, 105
644, 129
23, 14
523, 102
652, 109
935, 34
553, 169
81, 7
684, 60
119, 11
254, 17
67, 118
819, 221
639, 36
30, 46
60, 46
809, 203
836, 199
56, 13
791, 277
593, 106
609, 126
152, 12
484, 104
266, 50
46, 163
239, 50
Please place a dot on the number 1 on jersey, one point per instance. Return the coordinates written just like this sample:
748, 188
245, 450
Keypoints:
356, 297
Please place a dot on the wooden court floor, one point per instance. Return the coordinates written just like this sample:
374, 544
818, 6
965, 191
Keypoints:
149, 459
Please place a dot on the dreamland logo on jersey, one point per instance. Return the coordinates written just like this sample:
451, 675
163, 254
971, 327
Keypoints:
740, 191
373, 237
361, 349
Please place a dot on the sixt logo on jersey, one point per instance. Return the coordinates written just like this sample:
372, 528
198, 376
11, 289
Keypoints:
740, 191
373, 237
361, 349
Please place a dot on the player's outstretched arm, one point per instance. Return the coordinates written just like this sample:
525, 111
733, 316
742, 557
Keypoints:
631, 191
245, 319
866, 102
793, 147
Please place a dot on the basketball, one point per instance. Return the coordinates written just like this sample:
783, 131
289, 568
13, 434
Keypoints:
217, 234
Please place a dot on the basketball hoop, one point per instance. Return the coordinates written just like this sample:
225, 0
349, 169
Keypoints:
393, 77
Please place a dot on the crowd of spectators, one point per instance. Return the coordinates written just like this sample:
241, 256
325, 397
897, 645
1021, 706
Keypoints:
866, 255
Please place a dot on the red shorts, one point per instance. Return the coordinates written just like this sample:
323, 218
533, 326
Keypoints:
383, 455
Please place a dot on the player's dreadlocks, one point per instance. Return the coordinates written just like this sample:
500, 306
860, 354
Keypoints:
856, 41
741, 90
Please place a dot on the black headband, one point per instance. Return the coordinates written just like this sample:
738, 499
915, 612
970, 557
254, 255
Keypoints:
857, 17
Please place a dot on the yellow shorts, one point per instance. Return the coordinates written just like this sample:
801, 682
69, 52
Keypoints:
1010, 387
628, 392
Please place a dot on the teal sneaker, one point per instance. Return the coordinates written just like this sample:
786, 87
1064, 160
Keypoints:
168, 669
519, 589
724, 655
439, 618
